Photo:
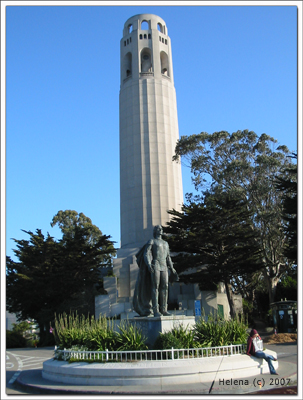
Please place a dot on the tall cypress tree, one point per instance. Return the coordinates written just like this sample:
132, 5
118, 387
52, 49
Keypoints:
288, 186
50, 274
214, 239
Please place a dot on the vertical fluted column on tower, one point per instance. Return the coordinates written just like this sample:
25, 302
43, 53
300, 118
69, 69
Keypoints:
150, 183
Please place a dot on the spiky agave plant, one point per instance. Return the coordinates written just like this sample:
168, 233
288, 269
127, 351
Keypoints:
130, 337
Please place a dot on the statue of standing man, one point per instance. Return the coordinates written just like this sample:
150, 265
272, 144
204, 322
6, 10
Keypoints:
151, 291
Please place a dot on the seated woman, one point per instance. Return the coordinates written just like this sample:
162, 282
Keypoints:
253, 349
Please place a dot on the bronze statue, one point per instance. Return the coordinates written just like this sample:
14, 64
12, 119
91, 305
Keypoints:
151, 289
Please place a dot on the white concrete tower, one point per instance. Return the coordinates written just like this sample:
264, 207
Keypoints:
150, 182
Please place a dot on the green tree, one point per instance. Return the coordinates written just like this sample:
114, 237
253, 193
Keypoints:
69, 220
75, 225
288, 187
51, 273
244, 163
248, 285
23, 327
287, 288
215, 241
29, 282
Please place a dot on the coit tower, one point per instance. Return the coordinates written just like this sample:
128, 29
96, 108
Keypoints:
150, 182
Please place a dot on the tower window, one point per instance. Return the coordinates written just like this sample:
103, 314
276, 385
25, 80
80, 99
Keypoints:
160, 27
124, 42
146, 64
130, 28
162, 40
130, 40
127, 41
164, 63
144, 25
145, 37
165, 41
141, 36
128, 64
149, 36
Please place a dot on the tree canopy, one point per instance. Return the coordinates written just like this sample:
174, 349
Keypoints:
215, 235
248, 165
74, 226
50, 272
287, 185
69, 221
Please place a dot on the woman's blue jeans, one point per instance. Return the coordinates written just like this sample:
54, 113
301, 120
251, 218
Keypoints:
266, 357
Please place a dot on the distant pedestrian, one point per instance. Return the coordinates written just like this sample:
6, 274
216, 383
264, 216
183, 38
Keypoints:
253, 349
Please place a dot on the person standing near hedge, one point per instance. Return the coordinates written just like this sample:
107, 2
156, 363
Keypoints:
253, 349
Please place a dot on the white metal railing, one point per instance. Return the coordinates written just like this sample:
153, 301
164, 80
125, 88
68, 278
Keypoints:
150, 355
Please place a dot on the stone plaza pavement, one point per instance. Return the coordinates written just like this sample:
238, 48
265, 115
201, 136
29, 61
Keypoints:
32, 382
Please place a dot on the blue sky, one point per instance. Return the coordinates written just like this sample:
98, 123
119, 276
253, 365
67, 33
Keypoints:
235, 68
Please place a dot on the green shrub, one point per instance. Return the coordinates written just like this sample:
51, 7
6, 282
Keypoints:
212, 333
220, 332
130, 337
101, 339
167, 340
185, 335
32, 343
99, 335
23, 328
14, 340
178, 338
96, 335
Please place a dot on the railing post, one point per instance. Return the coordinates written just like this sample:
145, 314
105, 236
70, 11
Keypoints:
106, 355
172, 353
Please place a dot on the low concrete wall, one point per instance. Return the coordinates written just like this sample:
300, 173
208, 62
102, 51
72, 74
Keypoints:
147, 373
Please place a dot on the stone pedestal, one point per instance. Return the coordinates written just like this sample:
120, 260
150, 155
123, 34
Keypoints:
151, 327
